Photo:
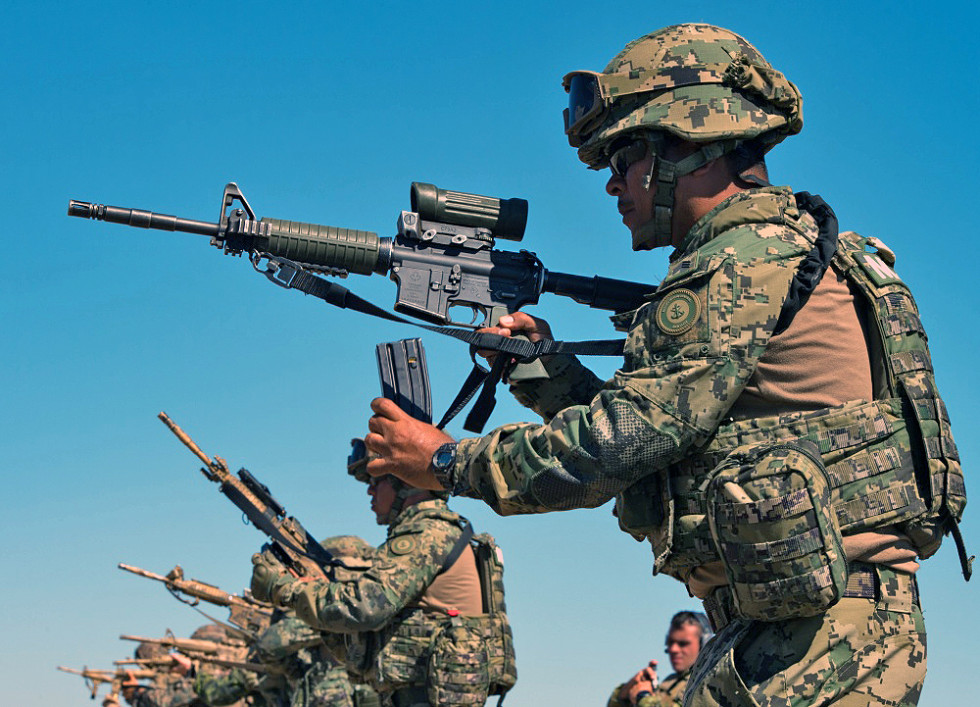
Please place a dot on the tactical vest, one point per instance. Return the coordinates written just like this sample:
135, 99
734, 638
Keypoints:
459, 660
890, 461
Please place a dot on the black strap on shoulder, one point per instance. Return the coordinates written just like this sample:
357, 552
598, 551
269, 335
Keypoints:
815, 264
291, 275
458, 548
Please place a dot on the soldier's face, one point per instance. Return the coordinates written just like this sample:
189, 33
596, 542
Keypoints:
382, 495
633, 200
683, 645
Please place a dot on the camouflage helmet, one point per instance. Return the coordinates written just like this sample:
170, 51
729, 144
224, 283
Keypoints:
347, 546
145, 651
699, 82
210, 632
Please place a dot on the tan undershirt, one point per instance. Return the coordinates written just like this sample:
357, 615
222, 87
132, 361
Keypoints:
821, 360
458, 588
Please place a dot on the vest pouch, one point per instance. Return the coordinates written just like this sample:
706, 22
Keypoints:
773, 526
459, 664
503, 665
403, 653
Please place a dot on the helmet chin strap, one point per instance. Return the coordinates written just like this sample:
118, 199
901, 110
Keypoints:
657, 232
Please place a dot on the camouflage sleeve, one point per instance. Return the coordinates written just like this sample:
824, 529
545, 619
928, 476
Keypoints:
689, 353
283, 639
615, 701
568, 383
224, 689
404, 567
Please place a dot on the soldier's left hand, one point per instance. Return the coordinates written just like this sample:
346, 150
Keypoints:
269, 578
404, 446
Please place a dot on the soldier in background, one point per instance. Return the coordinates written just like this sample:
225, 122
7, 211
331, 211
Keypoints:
775, 431
303, 671
687, 634
174, 687
419, 626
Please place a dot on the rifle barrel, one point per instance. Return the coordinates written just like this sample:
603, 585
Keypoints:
140, 218
185, 438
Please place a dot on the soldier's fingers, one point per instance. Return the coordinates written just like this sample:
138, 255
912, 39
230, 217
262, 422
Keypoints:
376, 467
376, 424
387, 409
376, 443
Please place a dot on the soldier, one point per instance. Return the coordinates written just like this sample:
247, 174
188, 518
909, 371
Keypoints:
301, 671
688, 632
775, 430
419, 626
175, 687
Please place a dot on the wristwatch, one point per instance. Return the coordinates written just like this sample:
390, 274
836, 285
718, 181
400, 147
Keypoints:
444, 466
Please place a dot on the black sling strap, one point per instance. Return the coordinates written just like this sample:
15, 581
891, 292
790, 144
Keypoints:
291, 275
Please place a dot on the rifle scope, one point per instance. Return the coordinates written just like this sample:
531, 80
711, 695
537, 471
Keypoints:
504, 218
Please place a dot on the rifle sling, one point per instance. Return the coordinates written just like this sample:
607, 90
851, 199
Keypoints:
291, 275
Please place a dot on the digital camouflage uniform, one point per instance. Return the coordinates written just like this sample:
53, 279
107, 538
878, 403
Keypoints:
669, 693
409, 654
658, 434
168, 690
303, 671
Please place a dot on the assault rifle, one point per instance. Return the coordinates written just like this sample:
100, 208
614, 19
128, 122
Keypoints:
442, 257
244, 611
292, 545
95, 678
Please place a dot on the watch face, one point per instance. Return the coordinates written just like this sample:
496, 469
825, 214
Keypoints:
444, 457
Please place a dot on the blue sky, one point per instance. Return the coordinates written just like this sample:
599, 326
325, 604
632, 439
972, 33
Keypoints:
326, 112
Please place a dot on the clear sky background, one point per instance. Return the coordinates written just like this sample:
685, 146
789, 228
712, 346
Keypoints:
325, 112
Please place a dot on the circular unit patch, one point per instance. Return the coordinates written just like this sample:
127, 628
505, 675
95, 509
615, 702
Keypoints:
678, 311
403, 545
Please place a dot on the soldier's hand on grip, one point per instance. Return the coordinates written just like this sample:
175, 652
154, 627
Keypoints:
269, 578
517, 324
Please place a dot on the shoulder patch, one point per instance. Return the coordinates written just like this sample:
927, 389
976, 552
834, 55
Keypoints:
678, 311
403, 545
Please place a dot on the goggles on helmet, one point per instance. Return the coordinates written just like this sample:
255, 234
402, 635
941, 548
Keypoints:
357, 458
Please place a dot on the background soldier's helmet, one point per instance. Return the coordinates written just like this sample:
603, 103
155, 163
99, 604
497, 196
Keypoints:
700, 82
210, 632
145, 651
348, 546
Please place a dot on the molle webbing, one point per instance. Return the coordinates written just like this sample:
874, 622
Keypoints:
864, 446
910, 375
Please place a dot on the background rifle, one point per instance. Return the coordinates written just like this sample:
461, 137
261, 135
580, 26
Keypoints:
167, 661
184, 645
442, 257
244, 611
95, 678
292, 545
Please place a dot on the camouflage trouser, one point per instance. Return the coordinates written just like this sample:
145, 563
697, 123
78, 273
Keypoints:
860, 653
